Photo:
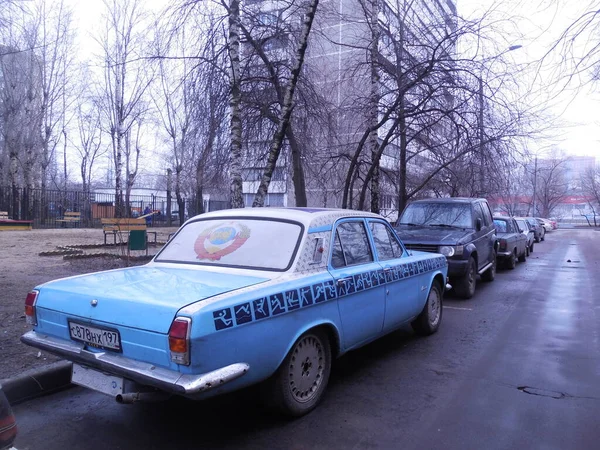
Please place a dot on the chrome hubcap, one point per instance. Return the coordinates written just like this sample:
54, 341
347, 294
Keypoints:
434, 307
306, 368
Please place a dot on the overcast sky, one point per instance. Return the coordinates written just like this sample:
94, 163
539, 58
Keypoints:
538, 25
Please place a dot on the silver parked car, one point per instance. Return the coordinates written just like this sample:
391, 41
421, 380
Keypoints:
527, 230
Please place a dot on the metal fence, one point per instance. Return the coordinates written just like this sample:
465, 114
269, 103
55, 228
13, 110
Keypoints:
47, 207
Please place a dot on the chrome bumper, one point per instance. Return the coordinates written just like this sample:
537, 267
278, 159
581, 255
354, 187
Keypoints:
140, 372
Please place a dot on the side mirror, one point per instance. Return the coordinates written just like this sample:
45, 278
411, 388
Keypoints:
478, 224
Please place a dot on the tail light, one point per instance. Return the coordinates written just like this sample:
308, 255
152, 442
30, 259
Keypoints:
30, 301
179, 340
8, 424
502, 244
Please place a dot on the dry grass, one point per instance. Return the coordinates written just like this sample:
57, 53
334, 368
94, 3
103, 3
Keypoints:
21, 269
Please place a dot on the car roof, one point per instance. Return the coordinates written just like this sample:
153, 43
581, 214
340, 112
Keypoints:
449, 199
310, 217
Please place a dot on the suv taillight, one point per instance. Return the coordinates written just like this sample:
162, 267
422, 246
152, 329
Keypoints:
30, 301
179, 340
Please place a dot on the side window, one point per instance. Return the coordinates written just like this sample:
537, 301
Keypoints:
383, 243
487, 214
395, 244
337, 255
477, 214
509, 226
480, 211
351, 245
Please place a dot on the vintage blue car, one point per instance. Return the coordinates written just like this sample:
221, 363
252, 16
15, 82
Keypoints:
236, 298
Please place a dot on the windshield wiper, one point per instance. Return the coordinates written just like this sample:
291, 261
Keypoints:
444, 225
411, 224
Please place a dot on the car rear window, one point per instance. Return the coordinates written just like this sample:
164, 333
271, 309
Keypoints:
500, 225
242, 243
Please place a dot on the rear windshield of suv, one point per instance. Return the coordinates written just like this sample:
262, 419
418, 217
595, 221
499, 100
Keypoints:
440, 214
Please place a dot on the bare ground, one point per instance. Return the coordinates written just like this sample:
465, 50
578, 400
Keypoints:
22, 268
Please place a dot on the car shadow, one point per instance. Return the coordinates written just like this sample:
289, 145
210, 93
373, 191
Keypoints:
232, 417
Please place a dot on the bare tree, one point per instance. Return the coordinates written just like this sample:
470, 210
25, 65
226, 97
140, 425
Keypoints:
54, 42
235, 166
590, 186
127, 77
288, 103
551, 184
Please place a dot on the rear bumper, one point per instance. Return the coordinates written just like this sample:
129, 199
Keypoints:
143, 373
505, 254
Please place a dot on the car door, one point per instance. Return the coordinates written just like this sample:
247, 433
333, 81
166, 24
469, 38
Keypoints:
402, 300
360, 283
521, 238
481, 239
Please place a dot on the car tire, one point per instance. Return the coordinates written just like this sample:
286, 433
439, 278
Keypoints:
299, 383
537, 238
523, 257
511, 262
430, 318
465, 286
527, 251
531, 248
490, 274
543, 237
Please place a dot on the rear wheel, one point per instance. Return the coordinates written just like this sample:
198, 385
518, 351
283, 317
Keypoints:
299, 383
429, 320
527, 251
465, 286
512, 261
531, 248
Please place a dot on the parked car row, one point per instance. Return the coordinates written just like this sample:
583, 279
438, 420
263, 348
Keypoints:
267, 296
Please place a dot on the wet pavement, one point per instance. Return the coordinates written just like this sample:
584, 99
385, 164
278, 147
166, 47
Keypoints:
517, 366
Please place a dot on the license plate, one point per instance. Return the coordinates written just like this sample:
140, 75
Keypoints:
94, 336
97, 381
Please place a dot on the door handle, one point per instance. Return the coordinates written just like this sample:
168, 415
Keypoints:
343, 280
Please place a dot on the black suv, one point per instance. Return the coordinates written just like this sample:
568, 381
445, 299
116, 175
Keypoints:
462, 229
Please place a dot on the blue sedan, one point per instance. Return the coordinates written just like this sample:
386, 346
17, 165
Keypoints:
236, 298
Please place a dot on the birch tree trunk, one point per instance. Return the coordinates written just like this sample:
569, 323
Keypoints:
235, 165
288, 103
298, 177
374, 104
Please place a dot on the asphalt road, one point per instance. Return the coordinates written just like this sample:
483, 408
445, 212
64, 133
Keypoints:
515, 367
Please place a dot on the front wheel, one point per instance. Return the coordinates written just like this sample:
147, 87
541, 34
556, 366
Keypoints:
299, 383
465, 285
531, 248
523, 257
429, 320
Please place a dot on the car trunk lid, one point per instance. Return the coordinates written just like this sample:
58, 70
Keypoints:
145, 298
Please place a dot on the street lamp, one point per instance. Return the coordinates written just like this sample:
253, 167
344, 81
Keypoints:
481, 125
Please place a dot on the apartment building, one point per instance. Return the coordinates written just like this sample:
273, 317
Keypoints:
340, 78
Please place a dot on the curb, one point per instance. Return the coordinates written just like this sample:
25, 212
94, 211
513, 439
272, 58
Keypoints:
37, 382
